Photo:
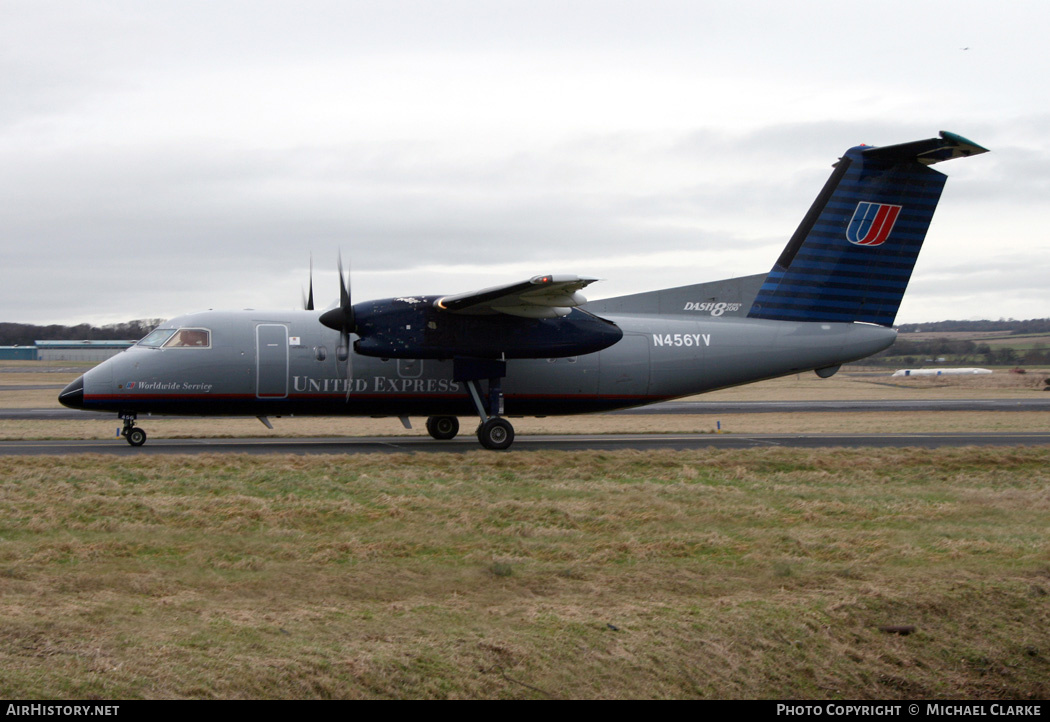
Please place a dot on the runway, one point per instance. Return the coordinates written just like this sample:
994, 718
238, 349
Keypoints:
568, 442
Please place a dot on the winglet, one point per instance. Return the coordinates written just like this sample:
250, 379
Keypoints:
928, 152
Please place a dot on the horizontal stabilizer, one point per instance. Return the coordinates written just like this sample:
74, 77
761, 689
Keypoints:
928, 152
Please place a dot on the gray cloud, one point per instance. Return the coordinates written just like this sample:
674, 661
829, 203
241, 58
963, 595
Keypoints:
164, 157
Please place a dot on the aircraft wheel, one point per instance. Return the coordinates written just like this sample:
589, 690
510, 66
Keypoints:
136, 437
496, 434
443, 428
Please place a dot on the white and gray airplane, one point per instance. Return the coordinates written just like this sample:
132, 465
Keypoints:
537, 348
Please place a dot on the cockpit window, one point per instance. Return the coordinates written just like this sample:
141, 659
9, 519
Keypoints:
156, 338
190, 338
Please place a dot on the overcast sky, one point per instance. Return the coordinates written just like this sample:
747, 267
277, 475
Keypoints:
165, 157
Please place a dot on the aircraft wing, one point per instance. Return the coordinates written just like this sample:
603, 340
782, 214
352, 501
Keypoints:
538, 297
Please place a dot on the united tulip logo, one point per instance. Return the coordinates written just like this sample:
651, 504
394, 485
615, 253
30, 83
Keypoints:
871, 223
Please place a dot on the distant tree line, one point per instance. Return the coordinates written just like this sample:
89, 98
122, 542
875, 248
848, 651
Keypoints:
959, 353
962, 352
24, 334
1034, 325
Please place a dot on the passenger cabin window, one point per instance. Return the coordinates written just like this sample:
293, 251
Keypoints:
190, 338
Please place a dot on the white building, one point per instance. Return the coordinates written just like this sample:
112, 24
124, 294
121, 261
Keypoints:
95, 351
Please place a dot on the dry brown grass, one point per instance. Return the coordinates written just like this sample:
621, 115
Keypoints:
14, 397
724, 574
39, 366
670, 574
14, 378
857, 386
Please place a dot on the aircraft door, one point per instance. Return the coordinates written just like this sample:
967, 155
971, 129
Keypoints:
624, 367
272, 360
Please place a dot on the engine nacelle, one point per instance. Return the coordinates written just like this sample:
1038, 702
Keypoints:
415, 328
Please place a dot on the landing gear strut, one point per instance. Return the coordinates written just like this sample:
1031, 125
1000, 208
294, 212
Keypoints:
495, 432
131, 433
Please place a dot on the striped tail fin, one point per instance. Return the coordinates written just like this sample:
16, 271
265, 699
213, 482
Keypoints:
853, 254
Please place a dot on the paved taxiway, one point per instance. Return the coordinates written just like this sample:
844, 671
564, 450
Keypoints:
466, 442
574, 442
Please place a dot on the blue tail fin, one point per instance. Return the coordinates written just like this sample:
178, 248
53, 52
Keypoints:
853, 254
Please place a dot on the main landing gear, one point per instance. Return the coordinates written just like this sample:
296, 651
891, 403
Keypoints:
131, 433
495, 432
443, 428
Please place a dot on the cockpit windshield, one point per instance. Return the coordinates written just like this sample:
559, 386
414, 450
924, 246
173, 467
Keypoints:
156, 338
190, 338
178, 338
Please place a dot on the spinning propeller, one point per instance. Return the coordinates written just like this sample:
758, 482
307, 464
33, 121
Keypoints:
341, 319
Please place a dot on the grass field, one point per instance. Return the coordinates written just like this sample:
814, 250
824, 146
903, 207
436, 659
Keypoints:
708, 574
728, 574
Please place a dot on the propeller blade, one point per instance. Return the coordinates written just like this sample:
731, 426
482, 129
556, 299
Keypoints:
349, 368
308, 303
344, 295
344, 288
341, 318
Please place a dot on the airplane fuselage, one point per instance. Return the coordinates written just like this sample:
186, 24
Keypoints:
282, 363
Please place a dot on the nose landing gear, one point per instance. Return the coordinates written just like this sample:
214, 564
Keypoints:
131, 433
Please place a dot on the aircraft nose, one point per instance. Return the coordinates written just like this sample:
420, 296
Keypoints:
73, 395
